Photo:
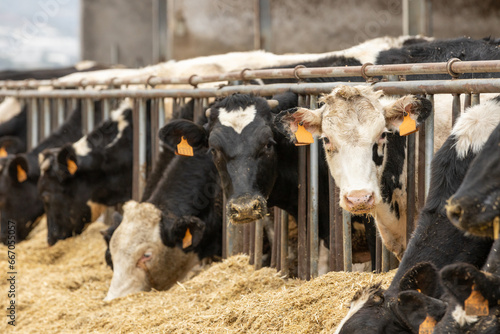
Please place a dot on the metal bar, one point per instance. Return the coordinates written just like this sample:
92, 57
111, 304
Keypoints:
455, 110
274, 251
410, 186
155, 143
346, 222
159, 31
313, 200
46, 117
170, 38
284, 243
421, 172
339, 232
331, 216
416, 17
258, 244
139, 163
246, 240
60, 112
429, 145
475, 99
386, 259
161, 110
34, 123
106, 109
277, 239
85, 115
378, 254
303, 271
225, 235
251, 241
467, 101
90, 114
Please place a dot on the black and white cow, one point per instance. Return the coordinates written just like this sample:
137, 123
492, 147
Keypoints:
160, 240
476, 204
19, 199
78, 180
460, 280
13, 124
435, 239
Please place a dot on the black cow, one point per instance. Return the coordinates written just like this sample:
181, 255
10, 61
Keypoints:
435, 239
19, 200
79, 179
476, 204
13, 123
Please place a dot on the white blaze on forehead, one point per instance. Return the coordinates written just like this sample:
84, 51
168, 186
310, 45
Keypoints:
118, 116
462, 318
237, 119
474, 127
82, 147
356, 305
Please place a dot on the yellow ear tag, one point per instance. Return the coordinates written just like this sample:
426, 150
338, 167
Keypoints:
183, 148
3, 152
409, 125
303, 136
21, 174
496, 227
188, 239
476, 304
72, 167
427, 327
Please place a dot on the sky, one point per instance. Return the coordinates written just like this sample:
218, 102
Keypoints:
39, 33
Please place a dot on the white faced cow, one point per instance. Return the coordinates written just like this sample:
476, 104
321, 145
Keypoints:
365, 154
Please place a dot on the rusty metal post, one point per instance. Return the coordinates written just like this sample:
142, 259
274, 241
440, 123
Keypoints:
155, 120
467, 101
378, 254
455, 110
475, 99
251, 242
284, 243
258, 243
429, 146
246, 240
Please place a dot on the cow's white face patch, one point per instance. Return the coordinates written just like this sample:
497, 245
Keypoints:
462, 318
474, 127
237, 119
356, 305
82, 147
118, 116
9, 108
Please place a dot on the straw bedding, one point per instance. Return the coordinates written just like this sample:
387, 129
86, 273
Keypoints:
60, 290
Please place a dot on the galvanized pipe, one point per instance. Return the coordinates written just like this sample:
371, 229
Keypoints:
429, 146
33, 124
313, 199
60, 112
410, 186
139, 148
455, 110
284, 243
258, 243
346, 223
46, 117
475, 99
386, 259
339, 232
89, 103
106, 109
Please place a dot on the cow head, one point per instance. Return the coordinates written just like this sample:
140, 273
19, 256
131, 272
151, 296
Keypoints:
377, 311
240, 134
65, 199
141, 260
19, 200
476, 204
355, 123
11, 145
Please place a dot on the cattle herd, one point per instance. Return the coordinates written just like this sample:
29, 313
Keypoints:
243, 150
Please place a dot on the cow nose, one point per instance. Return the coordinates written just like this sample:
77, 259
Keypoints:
246, 211
359, 201
454, 212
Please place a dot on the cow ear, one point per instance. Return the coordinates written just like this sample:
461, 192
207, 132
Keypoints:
423, 277
172, 133
10, 145
414, 308
66, 159
288, 121
19, 169
417, 107
188, 232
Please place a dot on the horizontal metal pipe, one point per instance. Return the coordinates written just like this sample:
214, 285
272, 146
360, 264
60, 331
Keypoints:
457, 67
393, 88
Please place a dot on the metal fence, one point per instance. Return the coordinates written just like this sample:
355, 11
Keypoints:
47, 111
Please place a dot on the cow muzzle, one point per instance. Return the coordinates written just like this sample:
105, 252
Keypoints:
246, 209
359, 201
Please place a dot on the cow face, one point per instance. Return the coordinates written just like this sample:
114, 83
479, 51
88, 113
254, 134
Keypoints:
65, 199
377, 311
240, 134
355, 123
476, 204
141, 260
19, 200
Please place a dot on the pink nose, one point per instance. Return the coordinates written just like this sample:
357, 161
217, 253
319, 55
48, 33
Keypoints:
359, 201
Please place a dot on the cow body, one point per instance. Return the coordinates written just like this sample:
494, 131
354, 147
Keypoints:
435, 239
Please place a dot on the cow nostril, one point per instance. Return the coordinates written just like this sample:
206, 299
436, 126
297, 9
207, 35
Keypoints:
454, 213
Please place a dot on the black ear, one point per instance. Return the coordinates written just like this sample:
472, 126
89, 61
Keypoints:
19, 169
67, 161
414, 307
187, 232
11, 145
424, 277
172, 133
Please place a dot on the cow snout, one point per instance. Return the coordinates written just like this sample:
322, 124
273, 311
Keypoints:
246, 210
454, 211
359, 201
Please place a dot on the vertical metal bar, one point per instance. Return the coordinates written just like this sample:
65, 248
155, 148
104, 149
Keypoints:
159, 31
262, 26
246, 240
410, 186
378, 254
277, 238
284, 243
421, 172
258, 244
34, 123
139, 162
106, 109
386, 259
229, 236
170, 29
475, 99
416, 18
90, 114
429, 145
161, 111
155, 144
251, 241
60, 112
332, 257
85, 115
455, 110
46, 118
467, 101
225, 236
339, 232
346, 222
274, 247
53, 115
313, 201
301, 220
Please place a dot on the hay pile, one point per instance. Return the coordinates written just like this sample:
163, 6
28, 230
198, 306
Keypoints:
60, 289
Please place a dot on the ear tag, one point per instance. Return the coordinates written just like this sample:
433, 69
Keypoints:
184, 149
496, 227
476, 304
21, 174
303, 136
72, 167
409, 125
427, 327
3, 152
188, 239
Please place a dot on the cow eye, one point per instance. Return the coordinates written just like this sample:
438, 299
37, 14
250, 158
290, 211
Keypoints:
270, 143
326, 140
147, 255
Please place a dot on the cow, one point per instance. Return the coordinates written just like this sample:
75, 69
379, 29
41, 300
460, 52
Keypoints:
78, 180
476, 204
19, 200
460, 280
160, 240
13, 120
435, 240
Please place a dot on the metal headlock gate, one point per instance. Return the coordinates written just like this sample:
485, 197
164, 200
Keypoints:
42, 119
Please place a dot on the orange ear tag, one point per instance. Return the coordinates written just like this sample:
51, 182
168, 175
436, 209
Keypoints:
21, 174
3, 152
184, 149
303, 136
408, 126
188, 239
496, 227
476, 304
427, 327
72, 167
